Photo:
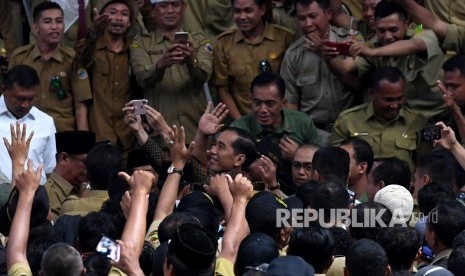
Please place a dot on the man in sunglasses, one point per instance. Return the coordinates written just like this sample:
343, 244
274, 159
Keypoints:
64, 86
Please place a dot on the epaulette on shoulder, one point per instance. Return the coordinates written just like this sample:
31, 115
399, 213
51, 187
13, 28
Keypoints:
21, 50
283, 28
68, 51
354, 109
226, 33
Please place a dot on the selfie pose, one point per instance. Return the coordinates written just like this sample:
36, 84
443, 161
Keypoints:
172, 64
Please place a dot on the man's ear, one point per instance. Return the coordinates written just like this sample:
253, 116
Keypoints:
316, 175
240, 159
362, 168
426, 179
381, 184
329, 14
388, 271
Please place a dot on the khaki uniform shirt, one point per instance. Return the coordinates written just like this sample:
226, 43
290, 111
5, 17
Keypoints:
399, 138
74, 81
310, 83
450, 11
295, 125
110, 76
58, 189
177, 91
284, 15
11, 39
455, 39
236, 60
212, 17
420, 71
74, 205
355, 8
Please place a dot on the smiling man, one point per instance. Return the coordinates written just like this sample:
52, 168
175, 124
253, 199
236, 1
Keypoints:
276, 126
385, 123
64, 86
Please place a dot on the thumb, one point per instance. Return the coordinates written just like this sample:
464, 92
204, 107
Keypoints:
125, 176
229, 178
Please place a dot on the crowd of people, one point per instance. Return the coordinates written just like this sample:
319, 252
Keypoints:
242, 137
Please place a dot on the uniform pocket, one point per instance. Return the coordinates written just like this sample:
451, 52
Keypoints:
409, 143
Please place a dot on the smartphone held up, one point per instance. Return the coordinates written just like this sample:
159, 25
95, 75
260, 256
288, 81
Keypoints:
140, 106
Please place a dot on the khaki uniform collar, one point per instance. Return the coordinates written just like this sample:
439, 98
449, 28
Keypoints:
268, 33
56, 53
370, 113
102, 43
67, 188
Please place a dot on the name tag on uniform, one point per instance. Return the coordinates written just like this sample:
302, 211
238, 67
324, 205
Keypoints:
158, 52
359, 134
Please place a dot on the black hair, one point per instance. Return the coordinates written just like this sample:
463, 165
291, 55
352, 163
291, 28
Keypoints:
392, 170
44, 6
371, 231
170, 223
314, 244
332, 163
386, 8
146, 258
103, 163
97, 264
366, 257
35, 250
304, 192
244, 144
459, 240
342, 240
61, 258
327, 196
401, 245
362, 151
92, 226
388, 73
268, 16
323, 4
438, 166
430, 195
456, 261
254, 250
22, 75
268, 78
447, 220
459, 175
456, 62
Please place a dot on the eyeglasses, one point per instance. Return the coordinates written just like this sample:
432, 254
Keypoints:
165, 4
308, 166
57, 88
82, 160
264, 66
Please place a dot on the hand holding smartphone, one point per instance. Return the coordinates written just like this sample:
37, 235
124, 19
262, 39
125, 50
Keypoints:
341, 47
181, 38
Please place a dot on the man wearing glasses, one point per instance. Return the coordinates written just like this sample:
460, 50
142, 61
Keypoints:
64, 86
171, 64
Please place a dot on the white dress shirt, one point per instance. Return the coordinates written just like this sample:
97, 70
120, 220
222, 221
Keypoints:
42, 149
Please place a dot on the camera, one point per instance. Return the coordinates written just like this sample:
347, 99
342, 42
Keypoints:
139, 106
181, 37
108, 248
430, 133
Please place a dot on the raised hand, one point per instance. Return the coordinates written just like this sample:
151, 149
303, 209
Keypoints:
19, 147
210, 122
178, 151
173, 55
28, 181
448, 139
101, 21
240, 187
268, 171
218, 185
158, 123
133, 121
139, 181
288, 147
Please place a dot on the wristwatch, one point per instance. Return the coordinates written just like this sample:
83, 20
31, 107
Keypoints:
274, 188
173, 169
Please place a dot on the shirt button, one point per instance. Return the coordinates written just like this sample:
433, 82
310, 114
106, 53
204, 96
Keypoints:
116, 83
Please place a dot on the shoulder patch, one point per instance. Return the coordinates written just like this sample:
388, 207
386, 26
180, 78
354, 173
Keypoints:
134, 45
209, 48
82, 73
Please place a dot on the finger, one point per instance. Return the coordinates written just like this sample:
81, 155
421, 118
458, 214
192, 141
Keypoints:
28, 142
39, 171
12, 132
125, 176
441, 125
191, 147
7, 145
229, 178
176, 132
30, 165
23, 133
182, 137
18, 130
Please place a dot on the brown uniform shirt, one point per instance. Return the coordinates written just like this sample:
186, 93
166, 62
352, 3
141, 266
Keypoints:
74, 81
450, 11
236, 60
74, 205
58, 189
110, 78
177, 91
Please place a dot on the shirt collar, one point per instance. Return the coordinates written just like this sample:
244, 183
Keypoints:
268, 33
4, 110
67, 188
56, 53
102, 44
370, 113
285, 127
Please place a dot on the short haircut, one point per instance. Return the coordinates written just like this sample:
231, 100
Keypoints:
371, 231
304, 192
386, 8
323, 4
362, 151
388, 73
430, 195
401, 245
92, 227
103, 163
392, 170
314, 244
332, 163
342, 240
244, 144
327, 196
438, 165
268, 78
456, 62
61, 259
35, 251
170, 223
44, 6
459, 175
366, 257
447, 220
459, 240
268, 16
22, 75
456, 261
97, 264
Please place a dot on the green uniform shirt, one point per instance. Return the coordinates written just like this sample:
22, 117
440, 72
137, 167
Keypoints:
450, 11
455, 39
399, 138
236, 60
73, 78
295, 125
74, 205
420, 71
58, 189
177, 91
284, 15
311, 85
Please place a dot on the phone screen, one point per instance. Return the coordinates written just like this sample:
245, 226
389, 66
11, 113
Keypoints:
109, 248
181, 37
